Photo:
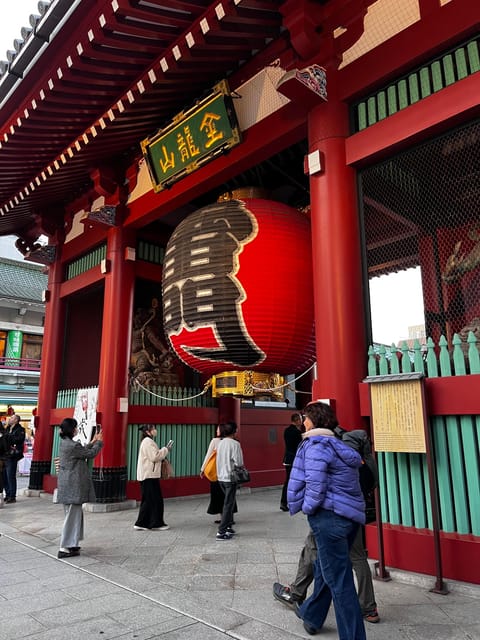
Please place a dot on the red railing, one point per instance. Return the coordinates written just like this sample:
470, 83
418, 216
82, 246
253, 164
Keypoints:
27, 364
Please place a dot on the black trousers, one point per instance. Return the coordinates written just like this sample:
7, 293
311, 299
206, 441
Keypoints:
150, 515
230, 491
283, 499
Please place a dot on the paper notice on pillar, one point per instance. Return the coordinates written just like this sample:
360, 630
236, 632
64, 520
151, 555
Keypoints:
86, 413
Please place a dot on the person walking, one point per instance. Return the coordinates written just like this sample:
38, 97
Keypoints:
292, 437
325, 485
297, 590
15, 438
229, 454
74, 485
150, 456
217, 497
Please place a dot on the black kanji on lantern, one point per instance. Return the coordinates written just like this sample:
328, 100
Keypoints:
200, 287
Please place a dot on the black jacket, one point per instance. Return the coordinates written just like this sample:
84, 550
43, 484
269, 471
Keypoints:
3, 444
15, 437
293, 438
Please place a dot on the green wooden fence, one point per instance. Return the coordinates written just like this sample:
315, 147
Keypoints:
164, 396
404, 488
190, 445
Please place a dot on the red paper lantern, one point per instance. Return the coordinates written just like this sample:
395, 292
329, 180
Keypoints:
237, 288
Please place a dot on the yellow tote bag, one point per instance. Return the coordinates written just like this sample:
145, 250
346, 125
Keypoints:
210, 471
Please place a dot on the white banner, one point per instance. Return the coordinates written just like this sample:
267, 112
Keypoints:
86, 413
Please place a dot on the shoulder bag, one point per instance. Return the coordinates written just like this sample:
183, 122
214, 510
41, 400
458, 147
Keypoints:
210, 470
166, 470
239, 475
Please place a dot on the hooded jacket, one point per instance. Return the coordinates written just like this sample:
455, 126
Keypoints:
325, 476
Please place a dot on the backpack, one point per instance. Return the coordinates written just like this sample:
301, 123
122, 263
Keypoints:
368, 472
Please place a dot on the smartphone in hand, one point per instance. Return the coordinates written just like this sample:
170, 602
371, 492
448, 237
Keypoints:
170, 444
95, 429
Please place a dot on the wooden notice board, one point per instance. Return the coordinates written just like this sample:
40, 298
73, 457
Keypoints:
398, 413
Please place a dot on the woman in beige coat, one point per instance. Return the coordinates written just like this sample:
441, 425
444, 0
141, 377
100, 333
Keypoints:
149, 464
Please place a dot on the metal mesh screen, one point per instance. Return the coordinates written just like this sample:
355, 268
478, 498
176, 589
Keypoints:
420, 210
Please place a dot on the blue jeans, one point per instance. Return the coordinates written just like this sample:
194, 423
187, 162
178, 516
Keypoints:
10, 477
334, 536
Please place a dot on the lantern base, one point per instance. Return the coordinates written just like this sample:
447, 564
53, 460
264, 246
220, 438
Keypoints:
248, 384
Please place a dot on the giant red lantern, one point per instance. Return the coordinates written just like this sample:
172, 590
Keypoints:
237, 288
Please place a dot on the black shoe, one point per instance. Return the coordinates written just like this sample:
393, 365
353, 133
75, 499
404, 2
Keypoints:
230, 531
283, 507
75, 551
308, 628
10, 500
66, 554
223, 536
283, 594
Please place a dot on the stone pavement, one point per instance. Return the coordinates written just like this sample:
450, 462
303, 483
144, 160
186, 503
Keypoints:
182, 584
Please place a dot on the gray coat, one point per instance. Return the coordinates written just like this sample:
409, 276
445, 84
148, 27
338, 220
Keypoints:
75, 484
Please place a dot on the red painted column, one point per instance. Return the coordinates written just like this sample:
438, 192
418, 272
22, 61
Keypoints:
229, 409
337, 266
109, 473
52, 351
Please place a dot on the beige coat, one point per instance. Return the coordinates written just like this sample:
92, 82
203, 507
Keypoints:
149, 459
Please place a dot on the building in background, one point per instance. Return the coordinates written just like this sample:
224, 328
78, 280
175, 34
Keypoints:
22, 313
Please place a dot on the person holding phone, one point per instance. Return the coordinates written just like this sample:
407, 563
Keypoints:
74, 486
150, 456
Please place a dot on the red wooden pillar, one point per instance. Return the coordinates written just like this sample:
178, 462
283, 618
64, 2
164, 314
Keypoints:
337, 266
229, 409
52, 351
110, 471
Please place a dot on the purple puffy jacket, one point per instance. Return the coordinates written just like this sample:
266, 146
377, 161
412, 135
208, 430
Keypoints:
325, 475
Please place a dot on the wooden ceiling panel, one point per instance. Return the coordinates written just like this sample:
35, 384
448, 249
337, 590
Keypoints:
128, 67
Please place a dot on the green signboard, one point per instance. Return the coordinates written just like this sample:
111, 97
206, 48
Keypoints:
14, 345
193, 138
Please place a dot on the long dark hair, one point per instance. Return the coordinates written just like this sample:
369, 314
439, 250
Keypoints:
67, 428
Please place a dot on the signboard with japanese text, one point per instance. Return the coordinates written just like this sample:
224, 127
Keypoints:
85, 413
398, 413
195, 137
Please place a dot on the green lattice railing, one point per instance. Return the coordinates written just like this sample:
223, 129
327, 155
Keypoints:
419, 84
404, 489
150, 252
86, 262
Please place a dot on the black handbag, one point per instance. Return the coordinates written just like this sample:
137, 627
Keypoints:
239, 475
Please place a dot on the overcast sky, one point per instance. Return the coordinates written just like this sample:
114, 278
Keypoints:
14, 17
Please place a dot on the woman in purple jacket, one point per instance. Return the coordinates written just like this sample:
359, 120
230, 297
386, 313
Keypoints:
325, 485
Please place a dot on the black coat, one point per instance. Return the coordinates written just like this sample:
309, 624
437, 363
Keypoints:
293, 437
15, 437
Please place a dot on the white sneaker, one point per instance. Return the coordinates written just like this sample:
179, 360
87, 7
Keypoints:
164, 528
137, 528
